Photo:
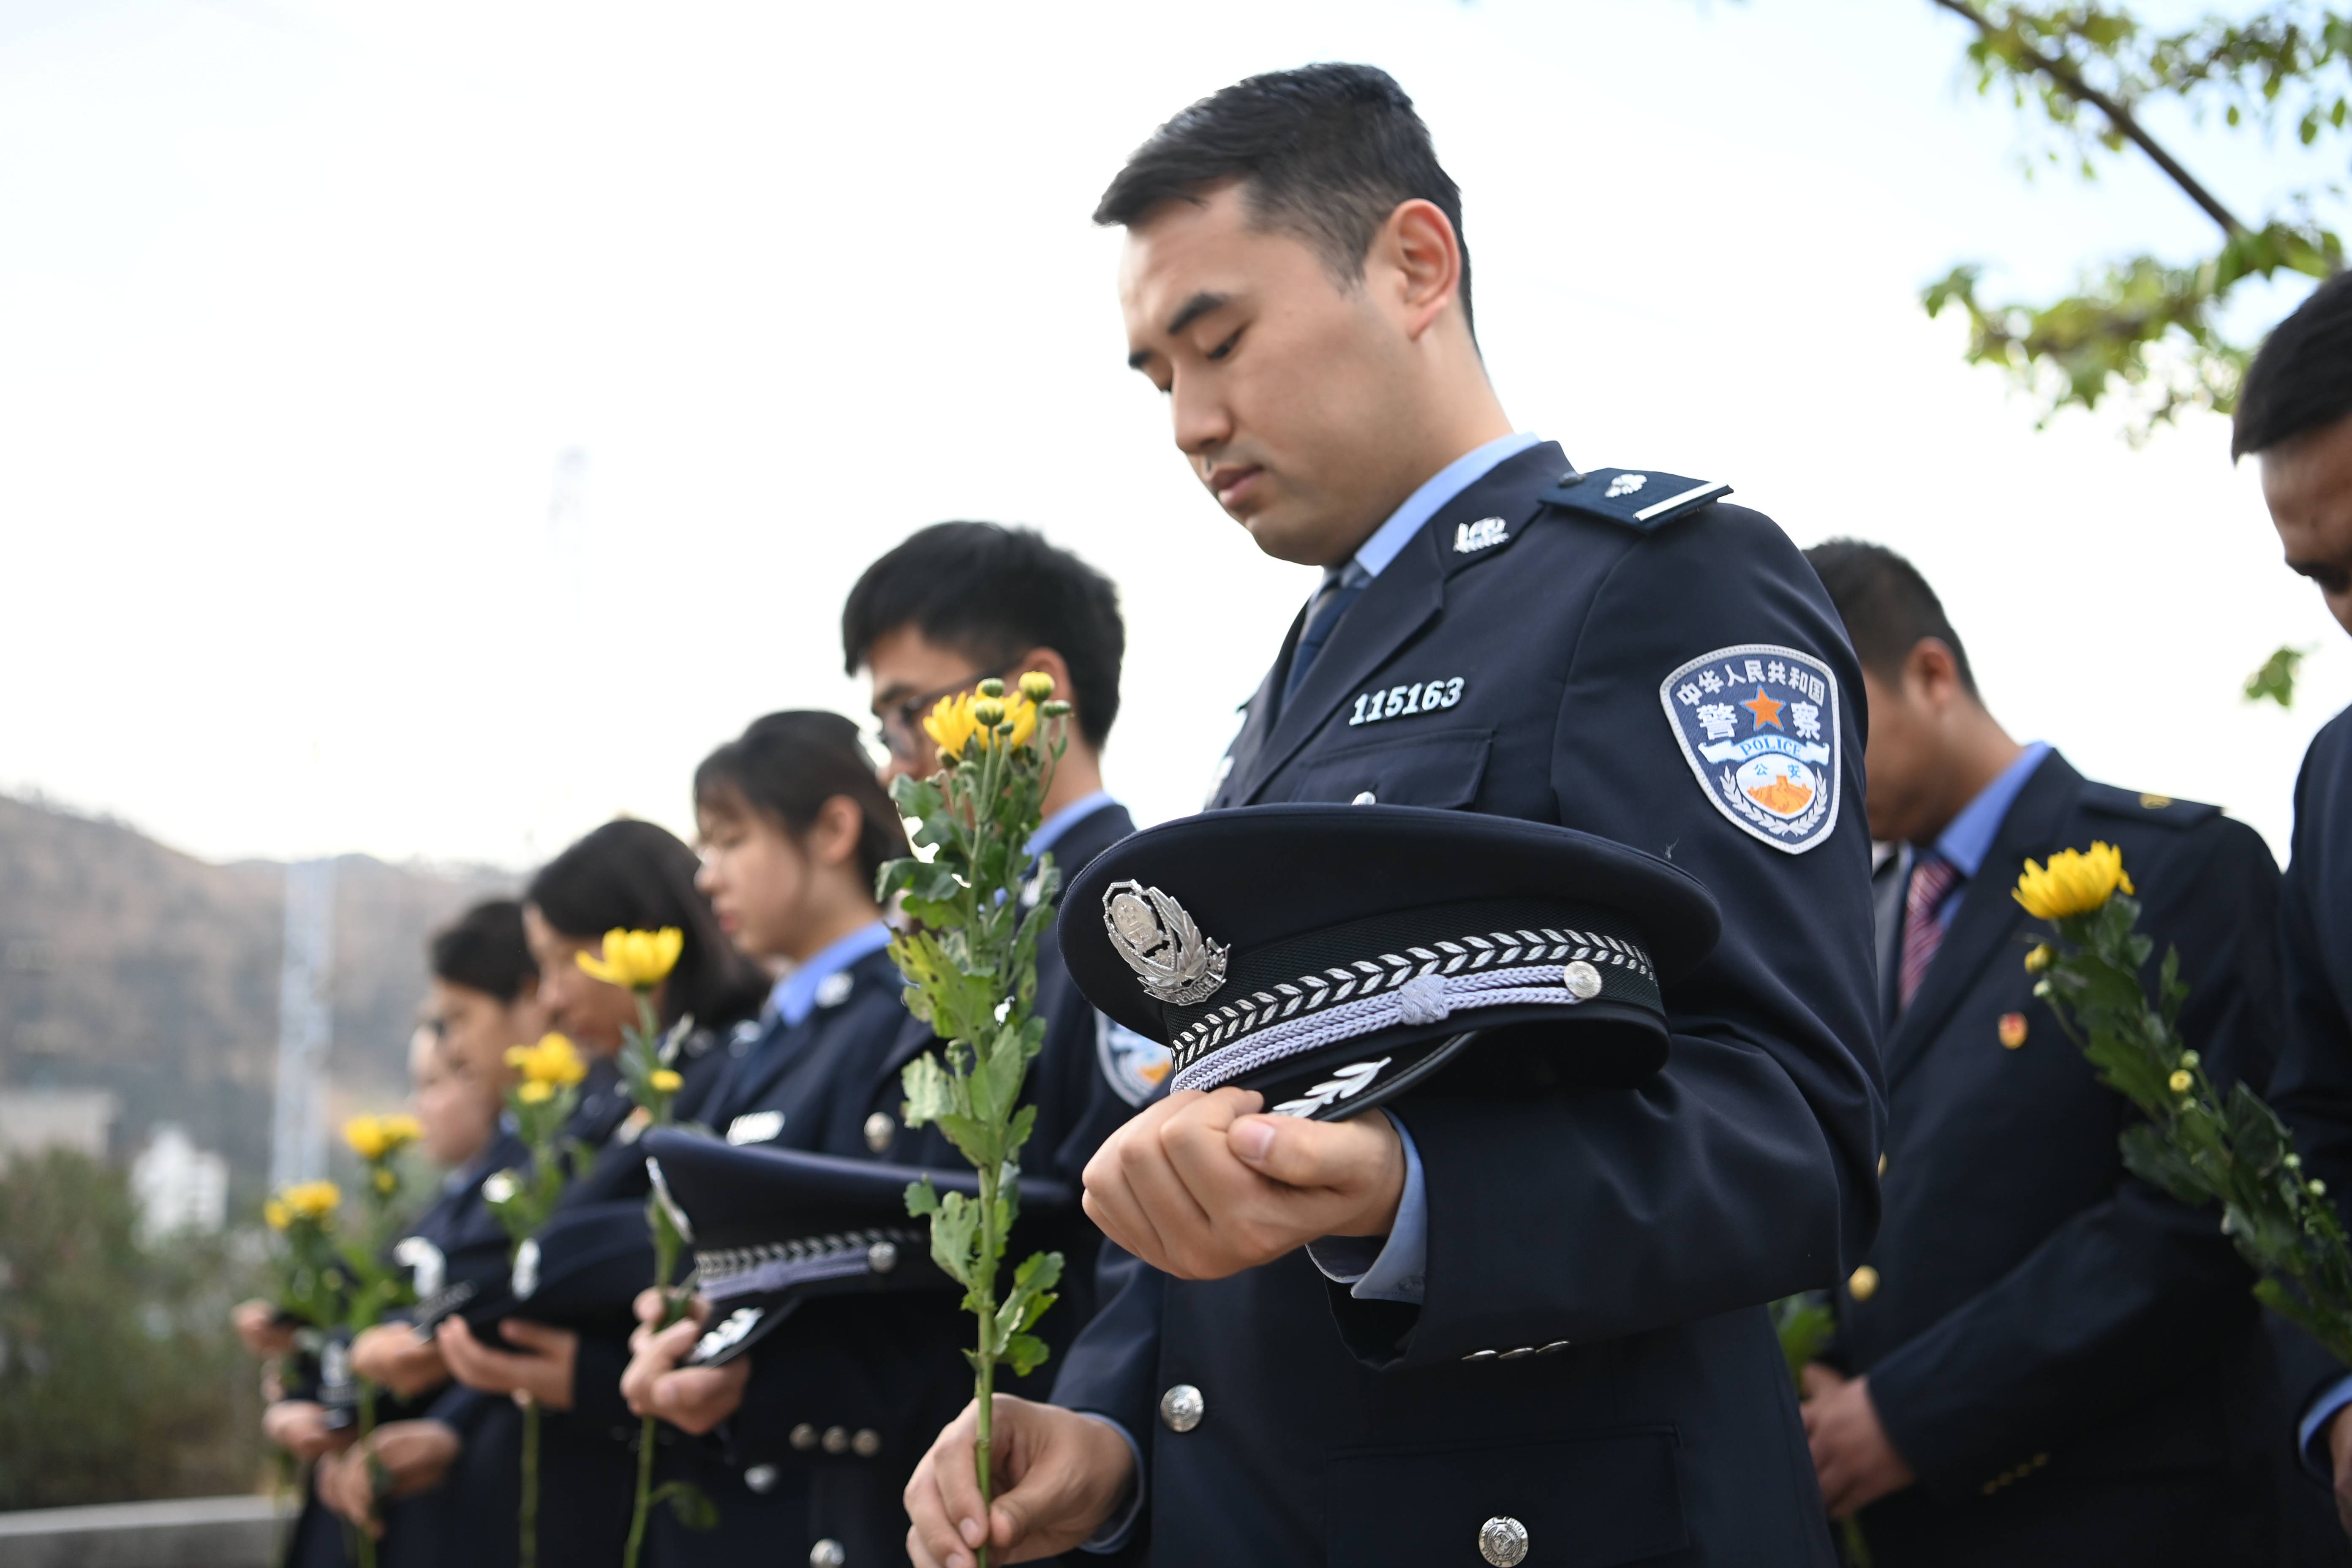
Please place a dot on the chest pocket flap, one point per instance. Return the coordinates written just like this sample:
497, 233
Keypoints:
1442, 770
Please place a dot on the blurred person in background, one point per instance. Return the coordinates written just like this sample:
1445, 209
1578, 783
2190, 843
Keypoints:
2295, 417
625, 875
2044, 1360
795, 830
485, 999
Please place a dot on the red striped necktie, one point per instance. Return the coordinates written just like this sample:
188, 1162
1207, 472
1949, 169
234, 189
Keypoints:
1931, 878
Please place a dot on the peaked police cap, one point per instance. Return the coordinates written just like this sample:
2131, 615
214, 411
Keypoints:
1332, 956
774, 1228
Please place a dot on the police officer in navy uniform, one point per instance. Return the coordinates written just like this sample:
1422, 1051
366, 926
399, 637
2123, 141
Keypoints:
1331, 1350
638, 875
2044, 1360
819, 1436
2296, 417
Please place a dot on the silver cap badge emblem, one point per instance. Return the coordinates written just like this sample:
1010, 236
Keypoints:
1162, 944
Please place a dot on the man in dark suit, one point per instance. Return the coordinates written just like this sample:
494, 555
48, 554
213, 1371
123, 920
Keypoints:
1327, 1340
2045, 1360
2296, 417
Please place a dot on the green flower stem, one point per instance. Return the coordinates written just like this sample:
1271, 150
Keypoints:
527, 1515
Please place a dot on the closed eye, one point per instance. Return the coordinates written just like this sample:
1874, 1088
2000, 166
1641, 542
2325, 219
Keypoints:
1225, 348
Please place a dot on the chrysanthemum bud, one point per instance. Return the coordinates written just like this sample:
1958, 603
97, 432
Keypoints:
987, 712
992, 687
1055, 709
2180, 1082
2318, 1189
2039, 959
1037, 686
2294, 1162
2189, 1058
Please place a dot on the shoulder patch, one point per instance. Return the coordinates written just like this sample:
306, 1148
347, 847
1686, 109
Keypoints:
2109, 801
1759, 725
1636, 498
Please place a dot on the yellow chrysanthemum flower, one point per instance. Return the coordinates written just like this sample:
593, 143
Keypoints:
535, 1092
665, 1081
1037, 686
554, 1061
635, 960
307, 1200
956, 723
374, 1138
2073, 883
278, 1215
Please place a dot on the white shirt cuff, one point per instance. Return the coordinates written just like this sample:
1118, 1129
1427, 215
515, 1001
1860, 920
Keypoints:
1394, 1267
1120, 1525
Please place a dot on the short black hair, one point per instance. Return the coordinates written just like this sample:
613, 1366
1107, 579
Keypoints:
2302, 378
992, 594
634, 876
1886, 605
1327, 152
787, 766
483, 950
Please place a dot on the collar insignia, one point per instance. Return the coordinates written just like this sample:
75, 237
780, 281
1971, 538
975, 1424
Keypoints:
1483, 535
1150, 930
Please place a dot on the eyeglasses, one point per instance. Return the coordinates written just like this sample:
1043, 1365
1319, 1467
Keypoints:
901, 727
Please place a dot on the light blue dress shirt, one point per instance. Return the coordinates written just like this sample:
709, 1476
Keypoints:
1376, 1269
794, 998
1968, 838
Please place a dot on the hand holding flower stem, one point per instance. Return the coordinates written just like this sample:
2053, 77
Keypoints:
639, 961
978, 909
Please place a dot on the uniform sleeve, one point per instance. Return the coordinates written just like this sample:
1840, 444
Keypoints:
1111, 1366
1744, 1169
2310, 1088
2128, 1294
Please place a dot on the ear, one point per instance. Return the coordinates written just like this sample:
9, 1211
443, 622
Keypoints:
1051, 662
1934, 672
1422, 257
831, 838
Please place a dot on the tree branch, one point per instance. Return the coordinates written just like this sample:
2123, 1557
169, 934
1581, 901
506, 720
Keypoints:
2059, 70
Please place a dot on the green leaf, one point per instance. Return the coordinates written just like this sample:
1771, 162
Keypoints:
922, 1198
954, 1225
2275, 682
688, 1503
1025, 1354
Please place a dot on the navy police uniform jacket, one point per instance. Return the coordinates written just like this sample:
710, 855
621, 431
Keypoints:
2312, 1091
847, 1394
1591, 1357
2071, 1361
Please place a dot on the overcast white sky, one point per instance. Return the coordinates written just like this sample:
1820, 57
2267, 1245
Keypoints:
302, 305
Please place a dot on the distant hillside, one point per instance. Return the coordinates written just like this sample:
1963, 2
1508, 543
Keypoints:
129, 966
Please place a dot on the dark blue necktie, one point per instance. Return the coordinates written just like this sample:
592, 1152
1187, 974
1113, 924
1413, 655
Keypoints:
1330, 604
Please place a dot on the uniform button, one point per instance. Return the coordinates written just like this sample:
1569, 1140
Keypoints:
1181, 1407
837, 1439
827, 1553
804, 1438
879, 1130
882, 1257
1863, 1283
760, 1479
866, 1442
1503, 1542
1366, 798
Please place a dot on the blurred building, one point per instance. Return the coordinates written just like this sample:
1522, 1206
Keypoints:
178, 1186
33, 1120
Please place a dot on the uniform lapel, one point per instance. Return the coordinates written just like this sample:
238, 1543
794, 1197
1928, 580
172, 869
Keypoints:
1400, 601
1257, 721
1987, 916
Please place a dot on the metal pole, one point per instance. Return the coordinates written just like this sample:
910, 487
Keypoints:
297, 1144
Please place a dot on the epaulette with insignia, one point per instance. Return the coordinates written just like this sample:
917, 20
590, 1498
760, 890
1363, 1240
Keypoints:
2163, 808
1642, 499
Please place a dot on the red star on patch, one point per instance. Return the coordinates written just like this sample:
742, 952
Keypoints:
1766, 710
